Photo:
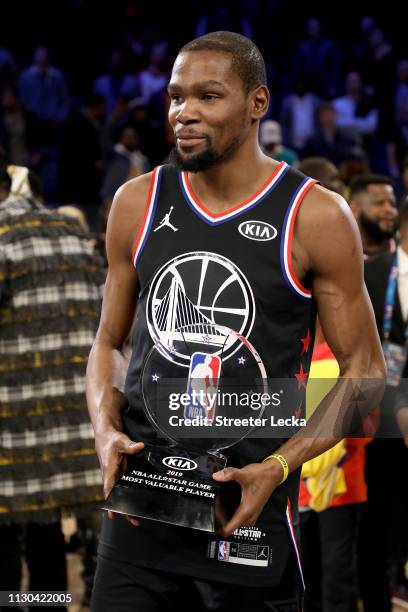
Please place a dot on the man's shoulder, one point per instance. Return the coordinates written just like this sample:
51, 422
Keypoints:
129, 206
326, 231
135, 191
324, 205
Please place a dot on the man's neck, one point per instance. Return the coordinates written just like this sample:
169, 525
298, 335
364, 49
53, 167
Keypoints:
234, 180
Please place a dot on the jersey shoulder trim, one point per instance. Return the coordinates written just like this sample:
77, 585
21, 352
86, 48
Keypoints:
287, 238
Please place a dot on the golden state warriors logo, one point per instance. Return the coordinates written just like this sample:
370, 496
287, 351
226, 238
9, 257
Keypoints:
191, 298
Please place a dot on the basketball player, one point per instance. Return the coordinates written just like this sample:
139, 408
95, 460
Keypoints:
223, 189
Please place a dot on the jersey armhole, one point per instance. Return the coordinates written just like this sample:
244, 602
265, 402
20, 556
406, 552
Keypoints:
287, 239
148, 216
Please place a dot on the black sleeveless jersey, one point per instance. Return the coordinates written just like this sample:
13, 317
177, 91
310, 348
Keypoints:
234, 268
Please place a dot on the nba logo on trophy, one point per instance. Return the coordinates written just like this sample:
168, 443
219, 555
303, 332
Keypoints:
202, 386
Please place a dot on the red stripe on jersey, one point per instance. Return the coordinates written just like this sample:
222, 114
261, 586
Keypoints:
290, 237
146, 212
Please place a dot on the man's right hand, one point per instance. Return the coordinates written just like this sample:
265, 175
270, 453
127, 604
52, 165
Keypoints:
112, 447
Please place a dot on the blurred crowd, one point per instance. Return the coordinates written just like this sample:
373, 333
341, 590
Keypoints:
339, 113
346, 100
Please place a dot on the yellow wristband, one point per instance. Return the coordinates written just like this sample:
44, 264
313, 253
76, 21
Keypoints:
283, 463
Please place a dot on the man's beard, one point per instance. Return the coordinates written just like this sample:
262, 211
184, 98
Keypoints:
205, 159
374, 231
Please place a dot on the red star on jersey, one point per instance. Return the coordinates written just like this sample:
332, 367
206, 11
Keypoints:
306, 342
301, 377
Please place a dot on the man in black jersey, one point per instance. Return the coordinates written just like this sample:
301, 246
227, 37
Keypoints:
220, 188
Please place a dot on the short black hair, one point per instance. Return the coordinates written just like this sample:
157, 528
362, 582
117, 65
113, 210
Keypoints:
316, 167
246, 59
360, 183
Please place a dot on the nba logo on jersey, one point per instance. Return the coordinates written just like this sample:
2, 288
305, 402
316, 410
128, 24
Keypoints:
223, 550
202, 386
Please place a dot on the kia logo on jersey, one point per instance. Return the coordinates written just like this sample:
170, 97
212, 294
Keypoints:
257, 230
180, 463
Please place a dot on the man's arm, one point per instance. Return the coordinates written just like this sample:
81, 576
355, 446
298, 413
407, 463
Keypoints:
331, 249
118, 310
327, 243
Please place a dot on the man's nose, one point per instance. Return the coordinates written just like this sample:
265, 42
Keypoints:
187, 113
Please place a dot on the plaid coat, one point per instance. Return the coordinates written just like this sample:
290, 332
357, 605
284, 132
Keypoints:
50, 296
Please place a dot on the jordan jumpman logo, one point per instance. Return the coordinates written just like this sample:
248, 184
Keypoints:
166, 221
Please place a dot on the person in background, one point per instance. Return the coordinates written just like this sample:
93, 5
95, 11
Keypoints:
317, 60
14, 126
358, 53
329, 141
44, 95
116, 82
82, 157
298, 115
356, 113
75, 213
373, 203
50, 296
44, 91
333, 486
332, 493
154, 78
356, 165
127, 163
270, 137
382, 565
323, 171
381, 75
85, 538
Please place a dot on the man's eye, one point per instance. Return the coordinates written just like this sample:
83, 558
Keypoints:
208, 96
175, 97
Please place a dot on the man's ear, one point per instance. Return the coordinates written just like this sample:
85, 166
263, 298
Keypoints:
260, 98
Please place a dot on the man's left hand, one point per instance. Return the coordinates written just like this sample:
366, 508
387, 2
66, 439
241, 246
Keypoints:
257, 482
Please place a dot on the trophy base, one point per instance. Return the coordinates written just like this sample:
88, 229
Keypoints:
171, 485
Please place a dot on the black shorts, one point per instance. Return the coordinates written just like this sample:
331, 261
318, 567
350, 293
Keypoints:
122, 587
